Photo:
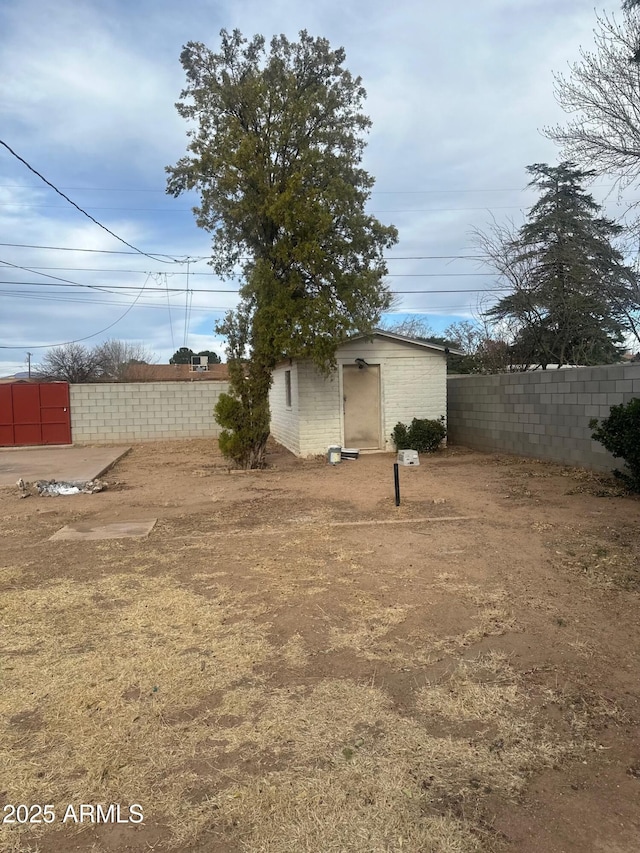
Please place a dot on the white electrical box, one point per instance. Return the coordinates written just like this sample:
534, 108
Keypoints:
199, 363
408, 457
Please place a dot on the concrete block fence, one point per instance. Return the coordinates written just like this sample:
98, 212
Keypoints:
543, 414
143, 411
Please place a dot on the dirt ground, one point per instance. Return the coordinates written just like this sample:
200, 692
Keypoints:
291, 664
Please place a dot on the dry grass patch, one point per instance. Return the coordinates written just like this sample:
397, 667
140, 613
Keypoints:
488, 692
592, 483
350, 809
360, 777
493, 618
608, 559
364, 626
101, 686
375, 631
295, 651
462, 697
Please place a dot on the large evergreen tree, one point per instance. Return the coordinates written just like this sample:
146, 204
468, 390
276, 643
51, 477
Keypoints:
275, 155
569, 285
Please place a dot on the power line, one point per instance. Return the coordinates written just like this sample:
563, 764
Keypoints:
166, 284
186, 309
201, 308
87, 337
210, 275
54, 277
144, 302
206, 257
77, 207
71, 299
115, 287
373, 192
155, 256
190, 210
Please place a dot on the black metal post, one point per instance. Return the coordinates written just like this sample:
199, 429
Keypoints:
396, 480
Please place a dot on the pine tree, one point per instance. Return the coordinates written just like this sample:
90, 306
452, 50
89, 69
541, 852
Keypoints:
567, 305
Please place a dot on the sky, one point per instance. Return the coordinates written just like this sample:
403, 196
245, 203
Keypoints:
458, 94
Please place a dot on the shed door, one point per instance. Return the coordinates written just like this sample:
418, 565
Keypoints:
361, 400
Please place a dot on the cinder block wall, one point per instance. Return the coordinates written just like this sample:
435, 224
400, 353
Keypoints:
543, 414
144, 411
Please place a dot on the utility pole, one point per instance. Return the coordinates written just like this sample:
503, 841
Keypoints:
29, 364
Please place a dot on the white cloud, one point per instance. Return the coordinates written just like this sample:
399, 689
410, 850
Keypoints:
71, 80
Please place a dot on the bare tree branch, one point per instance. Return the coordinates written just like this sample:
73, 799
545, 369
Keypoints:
72, 363
602, 91
117, 359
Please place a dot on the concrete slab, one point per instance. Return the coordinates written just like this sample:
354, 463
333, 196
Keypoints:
69, 464
85, 530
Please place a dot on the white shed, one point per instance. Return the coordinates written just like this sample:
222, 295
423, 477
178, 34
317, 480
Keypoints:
379, 381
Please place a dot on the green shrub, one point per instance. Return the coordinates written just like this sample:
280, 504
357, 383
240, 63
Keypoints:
620, 435
425, 436
400, 437
245, 430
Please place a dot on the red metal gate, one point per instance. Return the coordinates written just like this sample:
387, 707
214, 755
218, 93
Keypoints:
34, 413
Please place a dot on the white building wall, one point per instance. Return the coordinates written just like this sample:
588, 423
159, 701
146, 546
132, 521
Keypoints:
413, 380
285, 426
320, 409
413, 388
413, 385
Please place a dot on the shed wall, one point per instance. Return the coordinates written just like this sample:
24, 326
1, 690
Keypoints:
413, 387
413, 384
285, 426
320, 409
413, 380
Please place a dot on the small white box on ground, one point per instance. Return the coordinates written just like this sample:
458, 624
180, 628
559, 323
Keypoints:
334, 454
408, 457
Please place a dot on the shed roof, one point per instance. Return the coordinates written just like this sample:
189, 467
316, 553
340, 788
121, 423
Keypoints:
382, 333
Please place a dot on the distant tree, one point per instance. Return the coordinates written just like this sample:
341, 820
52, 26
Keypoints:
630, 4
417, 327
74, 363
602, 93
183, 355
482, 351
569, 287
485, 350
275, 152
117, 359
413, 326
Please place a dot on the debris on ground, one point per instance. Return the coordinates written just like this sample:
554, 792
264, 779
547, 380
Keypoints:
53, 488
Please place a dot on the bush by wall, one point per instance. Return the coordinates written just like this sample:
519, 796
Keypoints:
425, 435
620, 435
